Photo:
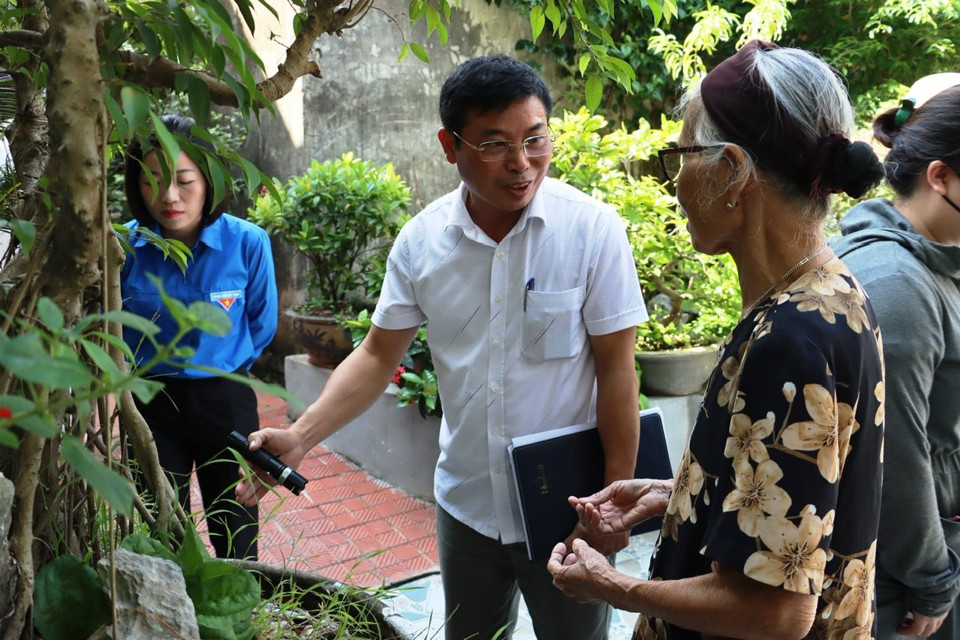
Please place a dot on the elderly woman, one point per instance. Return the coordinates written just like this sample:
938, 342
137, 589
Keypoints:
770, 525
906, 253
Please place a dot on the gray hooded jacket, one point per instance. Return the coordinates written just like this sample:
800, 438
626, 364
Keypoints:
913, 287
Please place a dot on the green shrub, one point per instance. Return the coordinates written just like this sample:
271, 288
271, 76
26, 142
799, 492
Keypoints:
342, 215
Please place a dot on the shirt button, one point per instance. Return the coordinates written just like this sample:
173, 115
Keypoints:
498, 468
500, 254
495, 387
496, 342
499, 297
497, 431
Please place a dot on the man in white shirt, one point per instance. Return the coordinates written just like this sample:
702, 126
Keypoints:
531, 297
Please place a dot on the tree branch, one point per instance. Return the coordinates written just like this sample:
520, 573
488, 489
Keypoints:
321, 18
77, 131
32, 40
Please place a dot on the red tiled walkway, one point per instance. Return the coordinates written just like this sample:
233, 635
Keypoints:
346, 525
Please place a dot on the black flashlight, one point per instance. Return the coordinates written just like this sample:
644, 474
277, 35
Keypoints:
268, 462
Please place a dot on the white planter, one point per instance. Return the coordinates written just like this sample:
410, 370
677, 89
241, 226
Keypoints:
676, 372
395, 444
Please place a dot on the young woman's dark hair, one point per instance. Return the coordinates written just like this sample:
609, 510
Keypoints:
930, 133
132, 170
486, 84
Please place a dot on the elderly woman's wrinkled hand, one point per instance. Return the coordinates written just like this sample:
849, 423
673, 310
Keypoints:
583, 573
622, 504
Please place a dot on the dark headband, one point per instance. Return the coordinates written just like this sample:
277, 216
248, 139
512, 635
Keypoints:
745, 110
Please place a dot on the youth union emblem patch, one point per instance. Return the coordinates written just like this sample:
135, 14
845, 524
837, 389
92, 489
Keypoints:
225, 298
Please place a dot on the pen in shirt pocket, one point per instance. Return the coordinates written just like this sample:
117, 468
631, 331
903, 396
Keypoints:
530, 283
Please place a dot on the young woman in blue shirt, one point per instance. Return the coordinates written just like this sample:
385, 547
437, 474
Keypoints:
231, 267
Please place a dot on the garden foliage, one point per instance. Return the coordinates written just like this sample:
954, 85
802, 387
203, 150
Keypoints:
693, 299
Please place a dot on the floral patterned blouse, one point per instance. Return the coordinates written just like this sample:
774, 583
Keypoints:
781, 478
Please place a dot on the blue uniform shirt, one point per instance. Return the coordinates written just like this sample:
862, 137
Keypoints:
232, 267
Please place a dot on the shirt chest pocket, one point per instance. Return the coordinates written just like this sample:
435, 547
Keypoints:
552, 325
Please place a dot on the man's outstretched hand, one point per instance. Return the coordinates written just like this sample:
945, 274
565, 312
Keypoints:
286, 444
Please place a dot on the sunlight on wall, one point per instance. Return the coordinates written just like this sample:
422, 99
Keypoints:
270, 43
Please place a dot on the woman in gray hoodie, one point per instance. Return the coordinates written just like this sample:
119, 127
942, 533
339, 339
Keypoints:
906, 254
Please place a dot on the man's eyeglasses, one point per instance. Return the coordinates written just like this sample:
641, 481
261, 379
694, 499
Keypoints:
671, 158
497, 150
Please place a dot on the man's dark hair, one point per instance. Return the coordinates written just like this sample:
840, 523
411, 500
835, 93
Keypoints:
485, 84
132, 169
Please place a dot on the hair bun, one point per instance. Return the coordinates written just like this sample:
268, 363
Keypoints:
857, 169
885, 128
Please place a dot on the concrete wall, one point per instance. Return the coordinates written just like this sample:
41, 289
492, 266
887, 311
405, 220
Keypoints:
369, 103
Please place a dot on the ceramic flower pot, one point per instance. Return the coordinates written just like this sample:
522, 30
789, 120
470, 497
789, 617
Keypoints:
676, 372
322, 338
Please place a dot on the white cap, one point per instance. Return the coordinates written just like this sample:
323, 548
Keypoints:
929, 86
921, 91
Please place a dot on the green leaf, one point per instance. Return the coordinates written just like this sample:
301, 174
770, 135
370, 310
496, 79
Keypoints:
50, 314
136, 106
404, 50
192, 554
223, 595
410, 376
218, 60
420, 52
25, 354
133, 321
209, 318
594, 91
150, 40
69, 600
244, 7
219, 177
251, 175
145, 390
537, 21
584, 63
113, 341
112, 487
40, 424
198, 96
9, 439
25, 232
657, 10
101, 359
554, 16
147, 546
116, 114
170, 146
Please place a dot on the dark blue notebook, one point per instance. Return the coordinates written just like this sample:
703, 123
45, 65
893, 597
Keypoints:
552, 465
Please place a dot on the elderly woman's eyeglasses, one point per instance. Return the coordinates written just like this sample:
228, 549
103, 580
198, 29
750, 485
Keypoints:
671, 158
497, 150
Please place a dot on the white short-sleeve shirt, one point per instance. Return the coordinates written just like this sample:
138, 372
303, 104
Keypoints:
508, 329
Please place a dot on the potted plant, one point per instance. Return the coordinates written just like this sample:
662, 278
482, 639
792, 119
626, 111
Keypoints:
415, 379
693, 299
342, 215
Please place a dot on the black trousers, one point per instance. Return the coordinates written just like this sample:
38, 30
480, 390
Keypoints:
190, 420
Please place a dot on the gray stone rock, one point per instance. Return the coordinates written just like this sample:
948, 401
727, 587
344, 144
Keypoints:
8, 570
152, 600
